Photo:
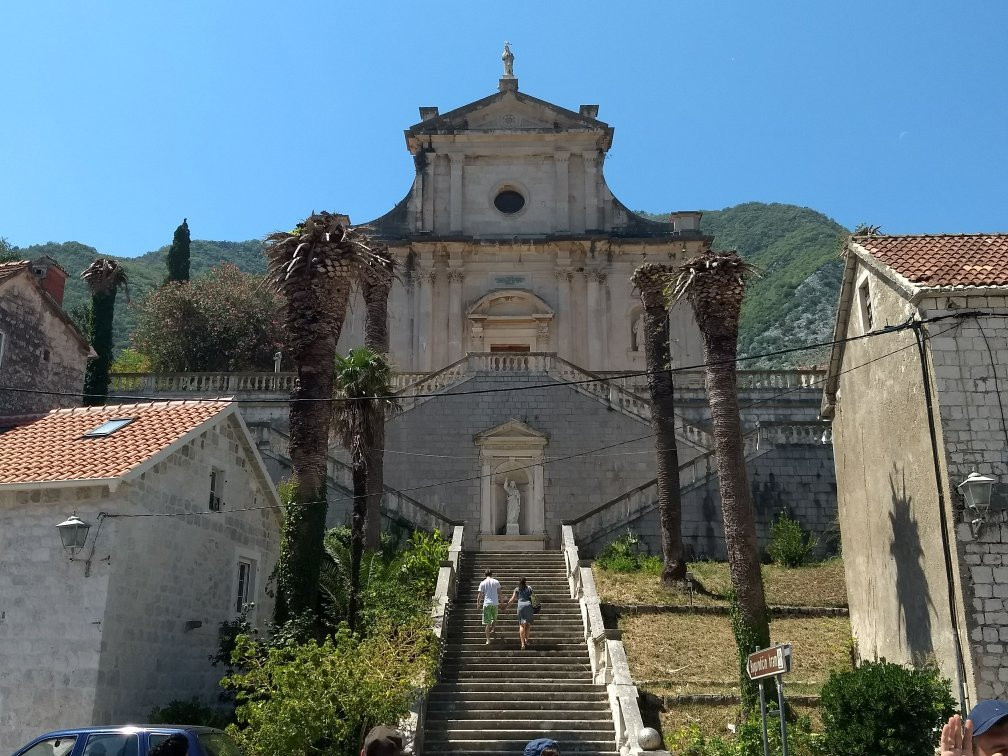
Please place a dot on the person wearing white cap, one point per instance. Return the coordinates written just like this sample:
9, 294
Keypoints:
985, 732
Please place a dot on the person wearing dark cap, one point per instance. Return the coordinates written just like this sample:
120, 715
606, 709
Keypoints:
542, 747
985, 733
383, 741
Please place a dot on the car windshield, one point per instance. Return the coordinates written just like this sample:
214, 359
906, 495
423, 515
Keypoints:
60, 746
218, 744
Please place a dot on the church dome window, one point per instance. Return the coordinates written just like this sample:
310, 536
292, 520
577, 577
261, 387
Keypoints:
509, 202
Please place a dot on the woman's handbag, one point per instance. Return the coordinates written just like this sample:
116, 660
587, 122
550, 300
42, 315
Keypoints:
536, 603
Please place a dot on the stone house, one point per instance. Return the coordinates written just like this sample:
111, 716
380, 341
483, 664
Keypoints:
916, 405
40, 347
184, 530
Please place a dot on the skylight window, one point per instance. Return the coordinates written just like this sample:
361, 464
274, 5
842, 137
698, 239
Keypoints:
109, 427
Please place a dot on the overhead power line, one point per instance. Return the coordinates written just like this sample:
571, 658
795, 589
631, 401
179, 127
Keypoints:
589, 452
134, 398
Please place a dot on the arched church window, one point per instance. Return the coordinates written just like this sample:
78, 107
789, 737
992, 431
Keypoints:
509, 201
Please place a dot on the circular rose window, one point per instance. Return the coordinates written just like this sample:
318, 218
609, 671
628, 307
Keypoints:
509, 202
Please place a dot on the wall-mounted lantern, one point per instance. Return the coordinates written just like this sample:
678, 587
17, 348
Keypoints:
73, 532
976, 490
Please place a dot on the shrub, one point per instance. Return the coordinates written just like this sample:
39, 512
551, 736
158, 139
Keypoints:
622, 555
311, 697
191, 712
748, 740
884, 709
790, 546
222, 320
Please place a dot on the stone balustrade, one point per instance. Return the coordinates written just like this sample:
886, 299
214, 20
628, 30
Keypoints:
606, 654
205, 385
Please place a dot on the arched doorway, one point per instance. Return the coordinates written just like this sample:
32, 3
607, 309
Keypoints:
509, 320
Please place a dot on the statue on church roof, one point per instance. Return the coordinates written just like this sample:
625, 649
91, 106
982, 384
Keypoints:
508, 57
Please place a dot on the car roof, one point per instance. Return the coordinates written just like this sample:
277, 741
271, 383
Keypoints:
129, 729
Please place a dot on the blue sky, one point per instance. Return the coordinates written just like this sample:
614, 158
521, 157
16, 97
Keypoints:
121, 117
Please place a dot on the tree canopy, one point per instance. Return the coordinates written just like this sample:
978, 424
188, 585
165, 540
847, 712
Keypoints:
223, 320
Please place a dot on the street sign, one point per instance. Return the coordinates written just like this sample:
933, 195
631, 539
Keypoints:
775, 660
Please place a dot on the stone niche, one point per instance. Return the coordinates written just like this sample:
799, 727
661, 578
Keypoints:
512, 454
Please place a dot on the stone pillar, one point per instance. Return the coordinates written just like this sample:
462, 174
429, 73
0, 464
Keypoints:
424, 283
455, 193
455, 314
561, 221
428, 193
594, 319
591, 191
564, 344
487, 514
538, 521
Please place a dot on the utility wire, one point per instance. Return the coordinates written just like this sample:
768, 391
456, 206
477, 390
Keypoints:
480, 476
133, 398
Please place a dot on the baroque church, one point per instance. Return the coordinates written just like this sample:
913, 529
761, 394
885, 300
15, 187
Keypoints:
514, 329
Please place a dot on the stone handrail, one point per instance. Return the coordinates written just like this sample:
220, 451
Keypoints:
216, 384
608, 658
629, 402
394, 502
748, 380
638, 500
444, 595
416, 393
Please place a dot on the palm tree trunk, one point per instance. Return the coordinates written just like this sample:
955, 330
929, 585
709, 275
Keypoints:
304, 526
656, 351
376, 339
650, 279
752, 629
360, 504
715, 286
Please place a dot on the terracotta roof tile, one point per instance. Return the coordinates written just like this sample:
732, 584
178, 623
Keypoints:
944, 259
52, 447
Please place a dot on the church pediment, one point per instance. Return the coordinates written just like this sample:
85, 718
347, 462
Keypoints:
508, 111
513, 434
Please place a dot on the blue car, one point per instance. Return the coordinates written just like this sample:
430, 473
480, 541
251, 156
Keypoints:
128, 741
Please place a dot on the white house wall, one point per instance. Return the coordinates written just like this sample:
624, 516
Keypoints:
109, 647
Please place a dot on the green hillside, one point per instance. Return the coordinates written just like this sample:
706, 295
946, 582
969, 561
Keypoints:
145, 272
792, 302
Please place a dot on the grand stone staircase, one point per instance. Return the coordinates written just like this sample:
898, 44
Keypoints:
494, 699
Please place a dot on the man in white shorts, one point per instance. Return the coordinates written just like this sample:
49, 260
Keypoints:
489, 599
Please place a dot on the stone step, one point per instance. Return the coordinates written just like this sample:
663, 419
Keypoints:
530, 687
502, 711
512, 748
472, 703
512, 742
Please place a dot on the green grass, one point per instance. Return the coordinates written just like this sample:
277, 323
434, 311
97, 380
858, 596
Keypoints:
816, 585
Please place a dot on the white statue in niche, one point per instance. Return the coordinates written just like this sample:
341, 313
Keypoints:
513, 505
638, 333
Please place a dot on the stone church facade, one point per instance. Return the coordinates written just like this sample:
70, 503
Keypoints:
515, 334
516, 260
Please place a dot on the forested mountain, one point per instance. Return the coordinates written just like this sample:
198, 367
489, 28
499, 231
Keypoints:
793, 301
145, 272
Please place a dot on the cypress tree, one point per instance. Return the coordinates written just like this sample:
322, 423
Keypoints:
178, 255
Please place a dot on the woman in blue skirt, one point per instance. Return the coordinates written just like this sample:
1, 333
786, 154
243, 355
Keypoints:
523, 595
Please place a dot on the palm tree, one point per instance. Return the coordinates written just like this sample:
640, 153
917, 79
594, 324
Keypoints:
376, 293
714, 284
365, 384
650, 280
103, 277
312, 268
